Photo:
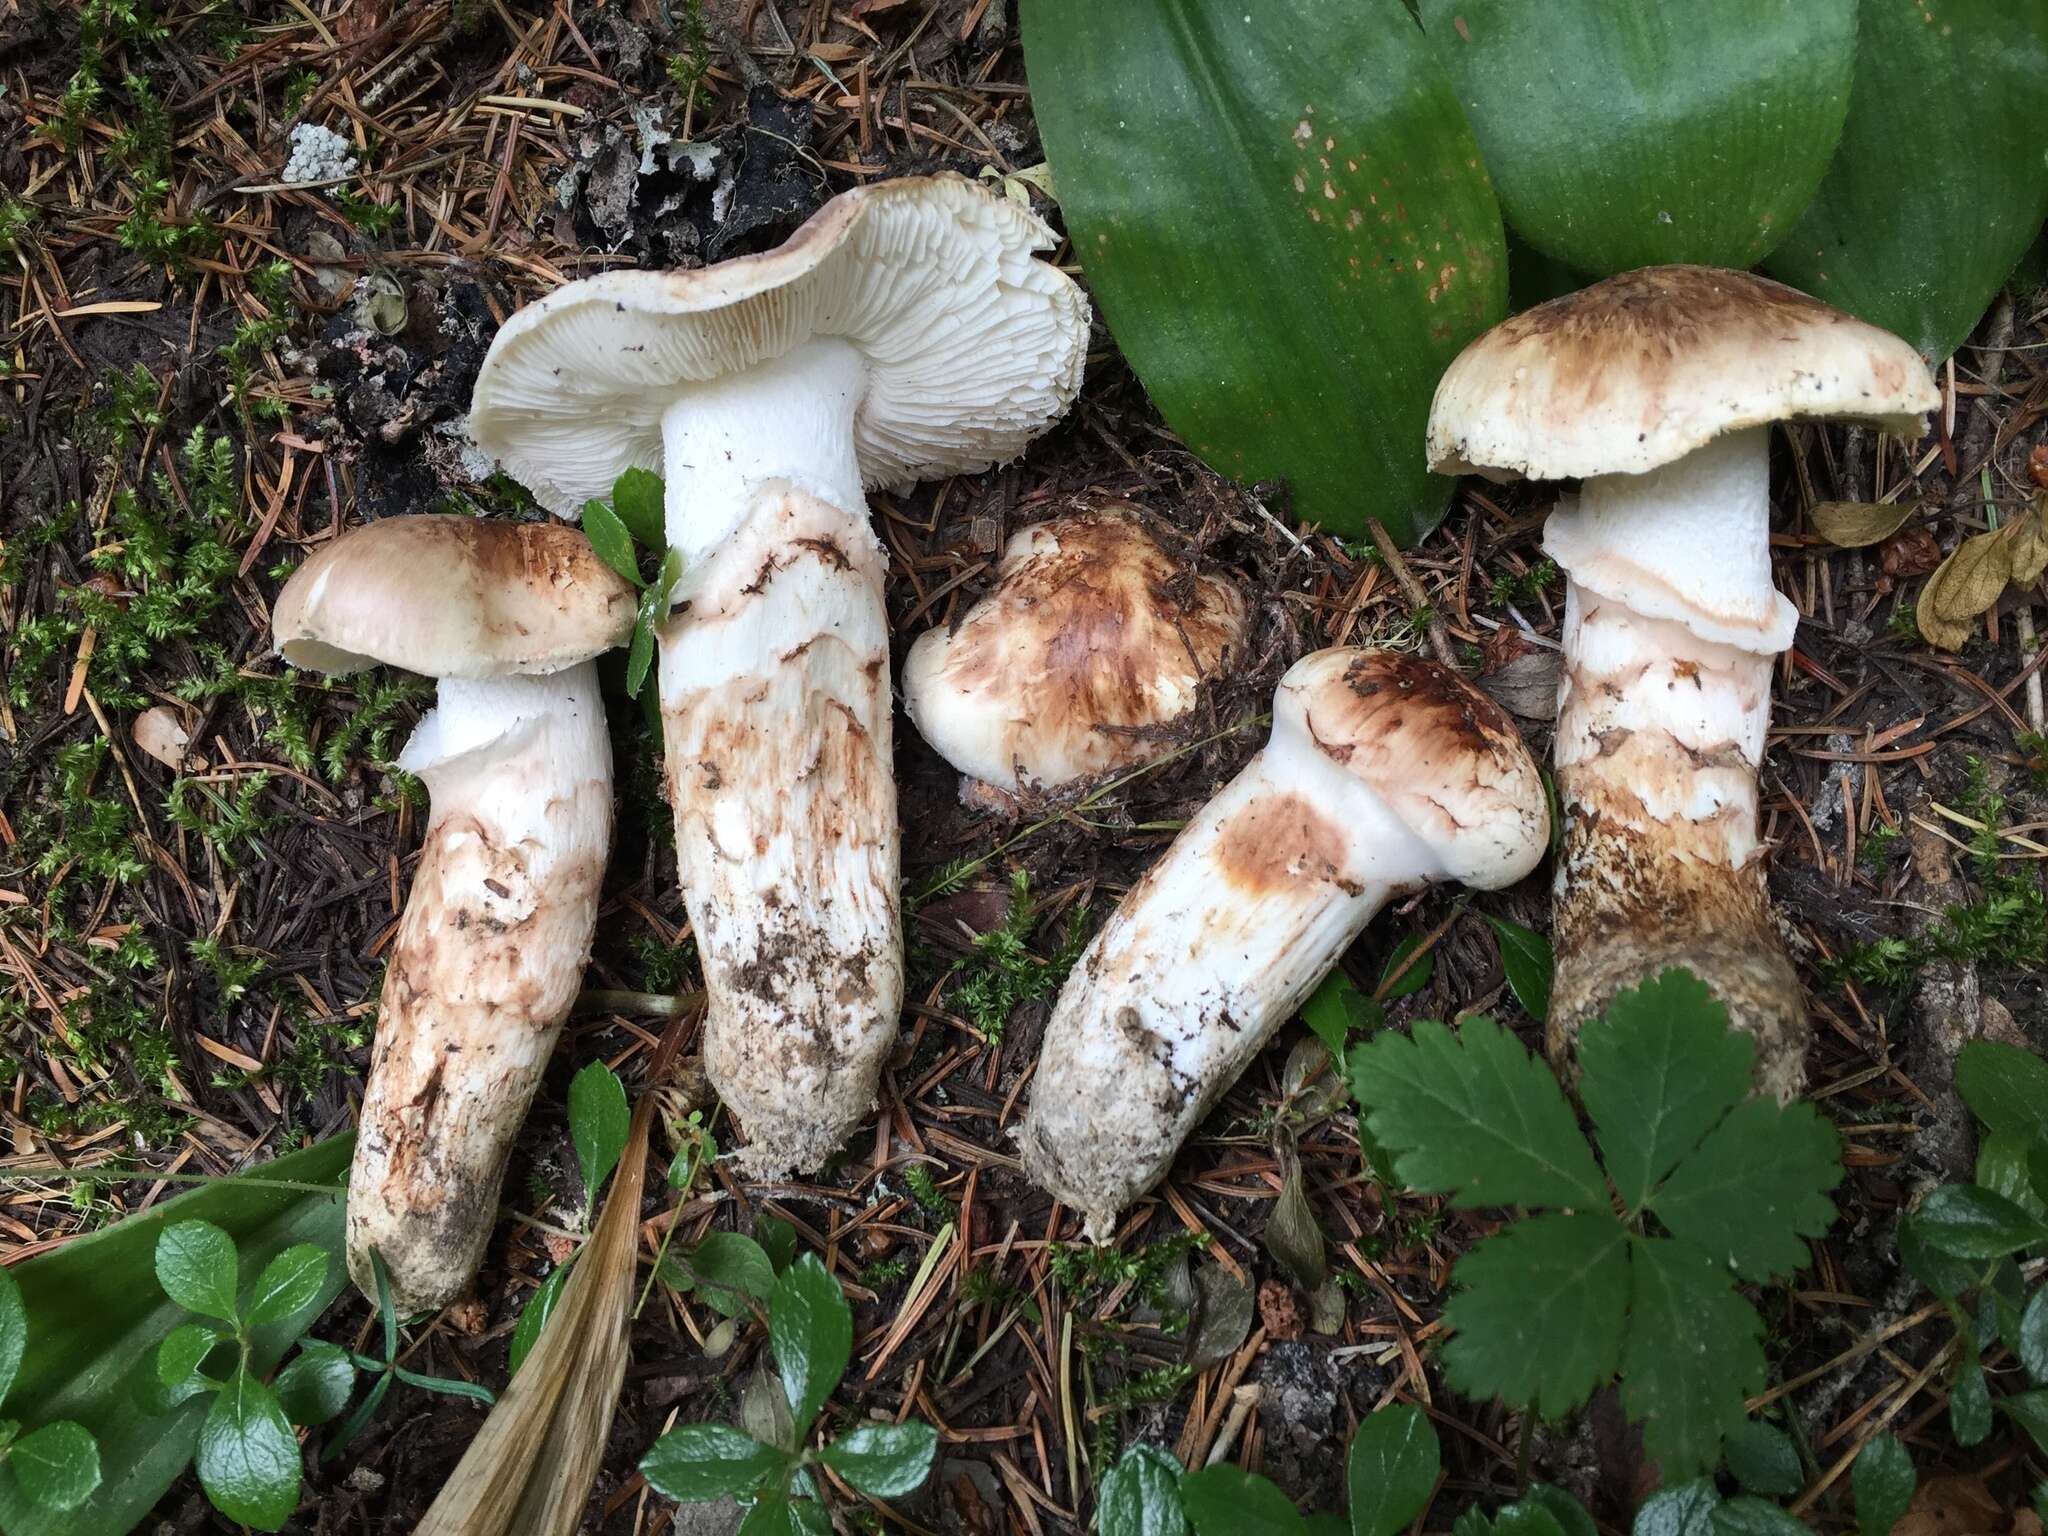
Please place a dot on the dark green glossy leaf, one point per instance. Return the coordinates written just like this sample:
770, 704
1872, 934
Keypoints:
1969, 1403
196, 1266
1224, 1500
1283, 215
1764, 1460
100, 1316
598, 1118
1337, 1010
1622, 136
1526, 958
1966, 1221
1401, 975
2005, 1166
1883, 1480
2006, 1087
1141, 1495
316, 1386
637, 500
179, 1356
2032, 1344
13, 1331
655, 603
57, 1466
248, 1459
777, 1239
1526, 1519
1684, 1510
1391, 1470
448, 1386
885, 1460
608, 536
1572, 1517
1934, 1269
810, 1328
359, 1417
289, 1284
710, 1461
533, 1317
2029, 1410
1756, 1517
728, 1269
1909, 230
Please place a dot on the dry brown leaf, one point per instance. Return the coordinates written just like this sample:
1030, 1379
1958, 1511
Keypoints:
2028, 535
530, 1468
1959, 1505
1854, 524
1964, 585
159, 732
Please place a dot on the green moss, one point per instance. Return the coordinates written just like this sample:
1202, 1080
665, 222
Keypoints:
1004, 973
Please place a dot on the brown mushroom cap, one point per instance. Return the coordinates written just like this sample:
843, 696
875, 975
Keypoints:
1437, 752
1091, 629
1641, 369
449, 595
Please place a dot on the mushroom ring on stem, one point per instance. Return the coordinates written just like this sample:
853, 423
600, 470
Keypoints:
907, 331
497, 927
1385, 773
1656, 390
1091, 639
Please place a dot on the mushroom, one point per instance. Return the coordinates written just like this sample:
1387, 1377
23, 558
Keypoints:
1656, 389
1385, 773
1089, 640
906, 331
497, 926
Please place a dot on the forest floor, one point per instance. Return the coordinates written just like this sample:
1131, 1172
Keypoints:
203, 375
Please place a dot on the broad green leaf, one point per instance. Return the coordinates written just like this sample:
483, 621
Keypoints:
1694, 1352
810, 1329
1391, 1470
359, 1417
709, 1461
57, 1466
1525, 1519
1141, 1495
1472, 1521
598, 1119
100, 1316
1572, 1517
1941, 1274
1906, 231
13, 1331
248, 1459
885, 1460
1336, 1010
2004, 1166
637, 500
197, 1267
1401, 976
289, 1284
317, 1384
1474, 1116
1756, 1517
728, 1268
1526, 957
1966, 1221
1537, 1319
1754, 1187
1883, 1480
1684, 1510
1657, 1071
1224, 1500
609, 538
1283, 215
1969, 1403
1623, 136
777, 1239
2006, 1087
781, 1515
1764, 1460
2032, 1345
655, 603
179, 1356
2029, 1410
533, 1317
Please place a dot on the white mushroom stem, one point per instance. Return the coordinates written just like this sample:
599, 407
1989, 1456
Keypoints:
1671, 625
1205, 958
776, 719
487, 961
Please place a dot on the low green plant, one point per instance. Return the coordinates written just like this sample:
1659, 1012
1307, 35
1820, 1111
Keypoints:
619, 529
1005, 974
54, 1466
768, 1465
1628, 1266
18, 219
1084, 1270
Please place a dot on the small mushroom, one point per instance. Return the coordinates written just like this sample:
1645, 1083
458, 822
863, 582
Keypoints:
1385, 773
907, 331
1091, 638
497, 926
1656, 390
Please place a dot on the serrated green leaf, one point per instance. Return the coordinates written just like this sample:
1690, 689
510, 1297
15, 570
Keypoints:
1526, 958
1472, 1521
1391, 1470
1694, 1352
289, 1284
1537, 1318
1966, 1221
2029, 1410
1290, 242
1224, 1500
1969, 1402
1624, 136
316, 1386
1337, 1010
2032, 1343
2006, 1087
1657, 1071
637, 499
598, 1121
1755, 1187
609, 538
533, 1317
1764, 1460
1883, 1480
810, 1329
1476, 1117
13, 1331
248, 1459
196, 1266
711, 1461
884, 1460
1141, 1495
179, 1356
57, 1466
728, 1268
1684, 1510
1756, 1517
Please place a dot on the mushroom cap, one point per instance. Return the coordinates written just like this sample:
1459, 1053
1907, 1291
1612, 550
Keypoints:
450, 595
973, 346
1438, 753
1090, 626
1641, 369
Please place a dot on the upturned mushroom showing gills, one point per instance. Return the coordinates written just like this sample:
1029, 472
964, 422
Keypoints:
497, 926
907, 331
1656, 390
1090, 639
1385, 773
